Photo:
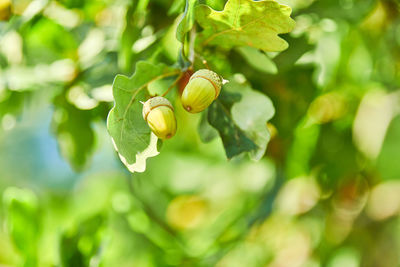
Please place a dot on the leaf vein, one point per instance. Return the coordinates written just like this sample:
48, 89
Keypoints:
239, 28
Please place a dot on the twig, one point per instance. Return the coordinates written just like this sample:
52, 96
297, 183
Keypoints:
205, 64
173, 84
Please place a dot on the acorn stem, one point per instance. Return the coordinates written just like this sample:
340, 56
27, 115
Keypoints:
203, 60
173, 84
162, 76
205, 64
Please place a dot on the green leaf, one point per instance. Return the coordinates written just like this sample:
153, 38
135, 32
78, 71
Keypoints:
23, 221
285, 61
186, 23
240, 116
135, 18
176, 7
302, 148
215, 4
46, 41
350, 12
206, 132
388, 161
79, 244
130, 34
245, 23
131, 135
75, 135
169, 42
219, 116
251, 114
12, 102
258, 60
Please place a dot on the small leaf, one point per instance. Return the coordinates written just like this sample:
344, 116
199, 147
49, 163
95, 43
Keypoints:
234, 139
130, 133
176, 7
22, 221
135, 19
187, 20
303, 147
258, 60
388, 161
285, 61
245, 23
129, 35
206, 132
74, 133
251, 114
240, 116
79, 244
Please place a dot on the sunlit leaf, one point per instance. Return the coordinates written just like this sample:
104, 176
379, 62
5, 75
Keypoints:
176, 7
388, 161
134, 18
288, 58
303, 146
240, 118
258, 60
75, 136
245, 23
47, 41
130, 133
23, 221
206, 132
79, 244
219, 116
251, 114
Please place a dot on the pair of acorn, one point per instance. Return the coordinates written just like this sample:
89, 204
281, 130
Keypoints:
201, 90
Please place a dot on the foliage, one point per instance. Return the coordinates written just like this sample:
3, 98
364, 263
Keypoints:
247, 23
294, 164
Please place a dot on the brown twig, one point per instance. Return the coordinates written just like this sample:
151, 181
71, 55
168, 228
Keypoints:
173, 84
205, 64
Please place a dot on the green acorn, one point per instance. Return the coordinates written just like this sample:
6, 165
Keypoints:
203, 88
159, 115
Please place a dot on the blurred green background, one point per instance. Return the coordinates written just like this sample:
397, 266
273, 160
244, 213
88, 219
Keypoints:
327, 192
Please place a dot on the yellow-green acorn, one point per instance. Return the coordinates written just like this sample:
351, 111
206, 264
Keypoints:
159, 115
202, 89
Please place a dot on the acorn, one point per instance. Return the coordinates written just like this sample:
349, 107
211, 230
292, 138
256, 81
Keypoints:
159, 115
203, 88
5, 10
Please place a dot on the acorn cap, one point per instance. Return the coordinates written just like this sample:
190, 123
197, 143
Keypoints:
211, 76
154, 102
